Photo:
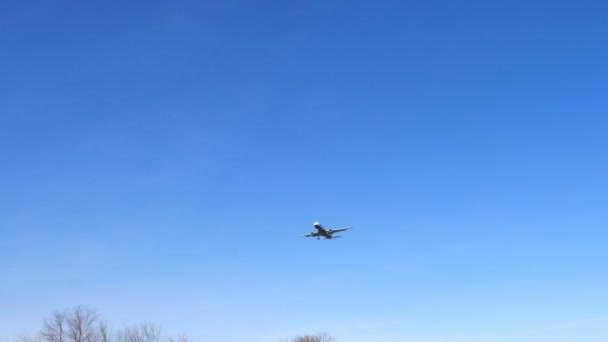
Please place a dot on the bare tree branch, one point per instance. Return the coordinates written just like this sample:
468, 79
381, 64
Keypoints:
81, 325
150, 332
104, 333
54, 329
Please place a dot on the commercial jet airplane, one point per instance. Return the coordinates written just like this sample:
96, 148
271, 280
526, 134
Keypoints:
328, 234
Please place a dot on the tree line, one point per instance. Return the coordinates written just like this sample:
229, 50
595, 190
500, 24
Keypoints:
320, 337
82, 324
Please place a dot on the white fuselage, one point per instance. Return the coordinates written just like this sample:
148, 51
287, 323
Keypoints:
319, 226
321, 231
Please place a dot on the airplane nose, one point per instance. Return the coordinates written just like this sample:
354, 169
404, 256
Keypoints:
316, 224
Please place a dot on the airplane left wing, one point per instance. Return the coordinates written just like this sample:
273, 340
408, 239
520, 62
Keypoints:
337, 230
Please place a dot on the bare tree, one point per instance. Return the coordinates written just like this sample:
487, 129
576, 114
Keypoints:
319, 337
145, 332
81, 325
183, 338
104, 333
54, 329
150, 332
305, 338
128, 334
325, 337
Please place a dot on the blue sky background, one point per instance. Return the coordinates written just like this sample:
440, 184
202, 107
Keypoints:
161, 159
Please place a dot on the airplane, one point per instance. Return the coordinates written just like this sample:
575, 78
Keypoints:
328, 234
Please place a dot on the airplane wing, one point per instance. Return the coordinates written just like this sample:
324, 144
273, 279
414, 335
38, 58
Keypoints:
309, 235
340, 229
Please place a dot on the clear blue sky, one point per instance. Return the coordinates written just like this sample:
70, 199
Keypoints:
159, 161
